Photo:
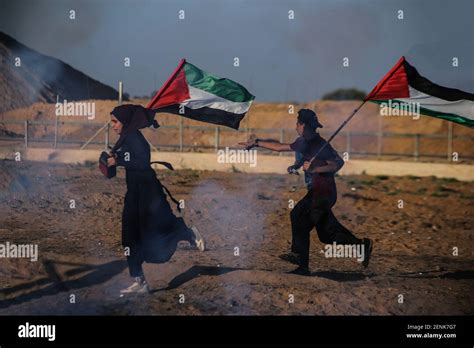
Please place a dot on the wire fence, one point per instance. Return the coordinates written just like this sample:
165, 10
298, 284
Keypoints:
183, 138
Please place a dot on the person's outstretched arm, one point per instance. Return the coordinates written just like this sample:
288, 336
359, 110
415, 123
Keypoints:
268, 144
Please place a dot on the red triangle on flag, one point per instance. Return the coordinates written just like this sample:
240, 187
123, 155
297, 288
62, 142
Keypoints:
393, 85
174, 91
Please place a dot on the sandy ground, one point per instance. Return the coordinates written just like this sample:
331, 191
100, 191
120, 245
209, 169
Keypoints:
80, 251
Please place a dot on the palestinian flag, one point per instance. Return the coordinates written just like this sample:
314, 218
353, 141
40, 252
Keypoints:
196, 94
403, 84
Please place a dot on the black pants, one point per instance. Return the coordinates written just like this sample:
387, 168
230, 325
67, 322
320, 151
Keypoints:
308, 214
150, 230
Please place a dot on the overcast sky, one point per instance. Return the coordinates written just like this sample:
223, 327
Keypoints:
280, 59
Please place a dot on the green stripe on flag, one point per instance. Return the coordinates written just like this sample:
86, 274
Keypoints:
221, 87
448, 117
437, 114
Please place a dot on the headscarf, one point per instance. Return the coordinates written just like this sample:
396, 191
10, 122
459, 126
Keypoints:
310, 120
133, 118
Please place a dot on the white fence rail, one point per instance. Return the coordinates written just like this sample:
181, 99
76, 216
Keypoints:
219, 134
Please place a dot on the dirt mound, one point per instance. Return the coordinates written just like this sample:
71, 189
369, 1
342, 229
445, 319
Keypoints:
40, 78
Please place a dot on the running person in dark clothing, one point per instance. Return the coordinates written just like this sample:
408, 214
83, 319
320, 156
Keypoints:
294, 255
314, 210
150, 230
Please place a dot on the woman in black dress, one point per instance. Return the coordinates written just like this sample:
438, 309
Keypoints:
150, 230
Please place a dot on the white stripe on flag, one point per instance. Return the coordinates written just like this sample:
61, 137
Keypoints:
464, 108
199, 99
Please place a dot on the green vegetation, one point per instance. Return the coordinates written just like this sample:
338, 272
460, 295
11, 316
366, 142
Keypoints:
345, 94
393, 193
467, 196
448, 180
421, 191
445, 189
381, 177
439, 194
235, 170
413, 177
369, 182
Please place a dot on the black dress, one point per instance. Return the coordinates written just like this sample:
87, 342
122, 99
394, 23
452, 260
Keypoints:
149, 228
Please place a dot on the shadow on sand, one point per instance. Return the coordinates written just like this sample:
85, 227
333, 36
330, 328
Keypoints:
98, 274
54, 284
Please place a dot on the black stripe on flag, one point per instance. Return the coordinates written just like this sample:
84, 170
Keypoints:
424, 85
209, 115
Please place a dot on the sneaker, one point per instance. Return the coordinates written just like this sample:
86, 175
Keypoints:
197, 241
368, 243
291, 257
139, 286
304, 271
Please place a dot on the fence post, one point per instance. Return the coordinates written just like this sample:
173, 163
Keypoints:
416, 154
26, 133
450, 141
217, 139
107, 137
56, 133
180, 134
348, 143
120, 92
379, 138
282, 130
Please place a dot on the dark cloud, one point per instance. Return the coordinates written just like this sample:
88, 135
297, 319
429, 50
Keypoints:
280, 59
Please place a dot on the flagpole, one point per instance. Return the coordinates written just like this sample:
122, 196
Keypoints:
369, 96
338, 130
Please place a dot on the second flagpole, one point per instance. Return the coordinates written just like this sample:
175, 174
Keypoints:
338, 130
